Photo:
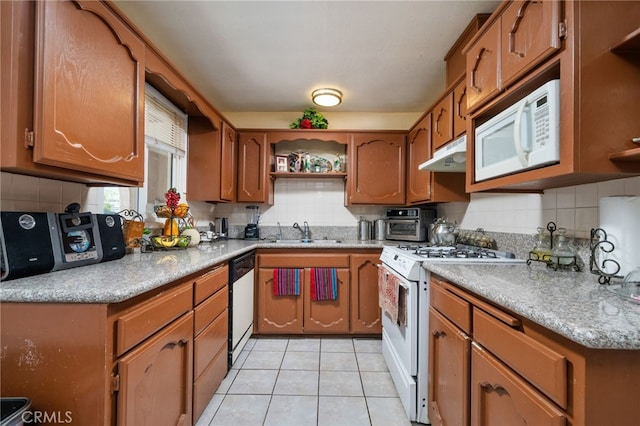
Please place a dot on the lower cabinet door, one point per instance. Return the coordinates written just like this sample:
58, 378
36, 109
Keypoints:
156, 378
327, 316
277, 314
366, 315
449, 364
500, 397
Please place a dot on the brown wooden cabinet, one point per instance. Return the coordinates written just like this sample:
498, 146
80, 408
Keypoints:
366, 315
443, 121
523, 34
152, 359
483, 60
530, 32
300, 314
60, 121
500, 397
570, 41
276, 314
254, 164
460, 108
419, 151
164, 362
449, 357
211, 160
449, 372
211, 329
521, 373
424, 186
376, 169
228, 163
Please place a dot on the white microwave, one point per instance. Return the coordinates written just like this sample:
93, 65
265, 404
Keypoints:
522, 137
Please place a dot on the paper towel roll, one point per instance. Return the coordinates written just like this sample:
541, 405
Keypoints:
620, 218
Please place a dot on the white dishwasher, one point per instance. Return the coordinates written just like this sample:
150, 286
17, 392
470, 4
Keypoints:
241, 288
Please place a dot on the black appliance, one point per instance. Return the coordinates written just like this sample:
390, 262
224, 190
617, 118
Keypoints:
36, 243
26, 244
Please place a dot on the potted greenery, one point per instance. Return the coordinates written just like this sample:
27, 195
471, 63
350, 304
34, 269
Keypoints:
311, 119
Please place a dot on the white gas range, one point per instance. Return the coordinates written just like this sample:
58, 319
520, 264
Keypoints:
405, 345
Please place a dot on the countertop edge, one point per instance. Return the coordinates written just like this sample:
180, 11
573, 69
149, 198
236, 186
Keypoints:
138, 273
578, 323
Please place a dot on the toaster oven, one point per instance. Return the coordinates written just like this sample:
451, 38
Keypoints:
409, 224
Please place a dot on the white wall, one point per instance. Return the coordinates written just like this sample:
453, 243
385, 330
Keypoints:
575, 208
319, 201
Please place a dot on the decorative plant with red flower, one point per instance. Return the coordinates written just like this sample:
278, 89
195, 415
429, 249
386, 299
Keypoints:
311, 119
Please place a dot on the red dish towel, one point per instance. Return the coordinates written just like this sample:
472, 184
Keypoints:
388, 289
286, 282
324, 284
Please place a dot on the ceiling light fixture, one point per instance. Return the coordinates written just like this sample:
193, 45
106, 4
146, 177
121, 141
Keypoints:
326, 97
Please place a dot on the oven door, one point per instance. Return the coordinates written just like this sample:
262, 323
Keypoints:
403, 339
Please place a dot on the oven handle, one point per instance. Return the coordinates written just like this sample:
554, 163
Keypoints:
401, 280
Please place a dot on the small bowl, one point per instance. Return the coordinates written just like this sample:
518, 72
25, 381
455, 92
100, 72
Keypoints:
165, 241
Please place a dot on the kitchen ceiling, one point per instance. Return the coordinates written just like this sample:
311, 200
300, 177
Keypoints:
267, 56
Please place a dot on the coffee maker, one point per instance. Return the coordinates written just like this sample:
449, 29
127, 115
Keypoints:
251, 231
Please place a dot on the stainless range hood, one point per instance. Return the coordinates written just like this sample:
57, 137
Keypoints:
450, 158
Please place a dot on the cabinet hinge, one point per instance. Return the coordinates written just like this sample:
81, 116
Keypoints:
29, 138
115, 383
562, 29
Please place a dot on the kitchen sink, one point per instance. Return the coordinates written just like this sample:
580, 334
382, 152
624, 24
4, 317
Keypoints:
303, 241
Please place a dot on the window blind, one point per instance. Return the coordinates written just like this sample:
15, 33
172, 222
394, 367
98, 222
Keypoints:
165, 126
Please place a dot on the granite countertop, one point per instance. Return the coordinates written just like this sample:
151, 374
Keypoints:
137, 273
571, 304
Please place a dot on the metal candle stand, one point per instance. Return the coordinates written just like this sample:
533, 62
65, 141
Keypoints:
551, 260
600, 242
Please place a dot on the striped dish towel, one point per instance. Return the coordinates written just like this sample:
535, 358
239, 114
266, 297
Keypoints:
324, 284
286, 282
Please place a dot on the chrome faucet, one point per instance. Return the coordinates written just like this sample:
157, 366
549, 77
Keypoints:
305, 232
280, 236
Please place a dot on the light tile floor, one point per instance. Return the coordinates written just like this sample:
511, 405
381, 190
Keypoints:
307, 381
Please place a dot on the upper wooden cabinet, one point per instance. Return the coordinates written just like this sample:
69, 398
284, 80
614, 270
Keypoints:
376, 169
599, 88
530, 32
82, 123
460, 109
228, 163
443, 121
419, 151
522, 35
424, 186
254, 164
483, 80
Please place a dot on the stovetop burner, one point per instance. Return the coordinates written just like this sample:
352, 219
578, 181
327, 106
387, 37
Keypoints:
458, 252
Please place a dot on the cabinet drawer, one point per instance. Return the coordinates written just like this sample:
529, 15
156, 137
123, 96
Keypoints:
500, 397
456, 309
151, 316
210, 342
206, 385
211, 282
541, 366
208, 310
301, 260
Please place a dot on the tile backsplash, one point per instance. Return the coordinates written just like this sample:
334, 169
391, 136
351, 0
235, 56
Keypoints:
575, 208
320, 201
